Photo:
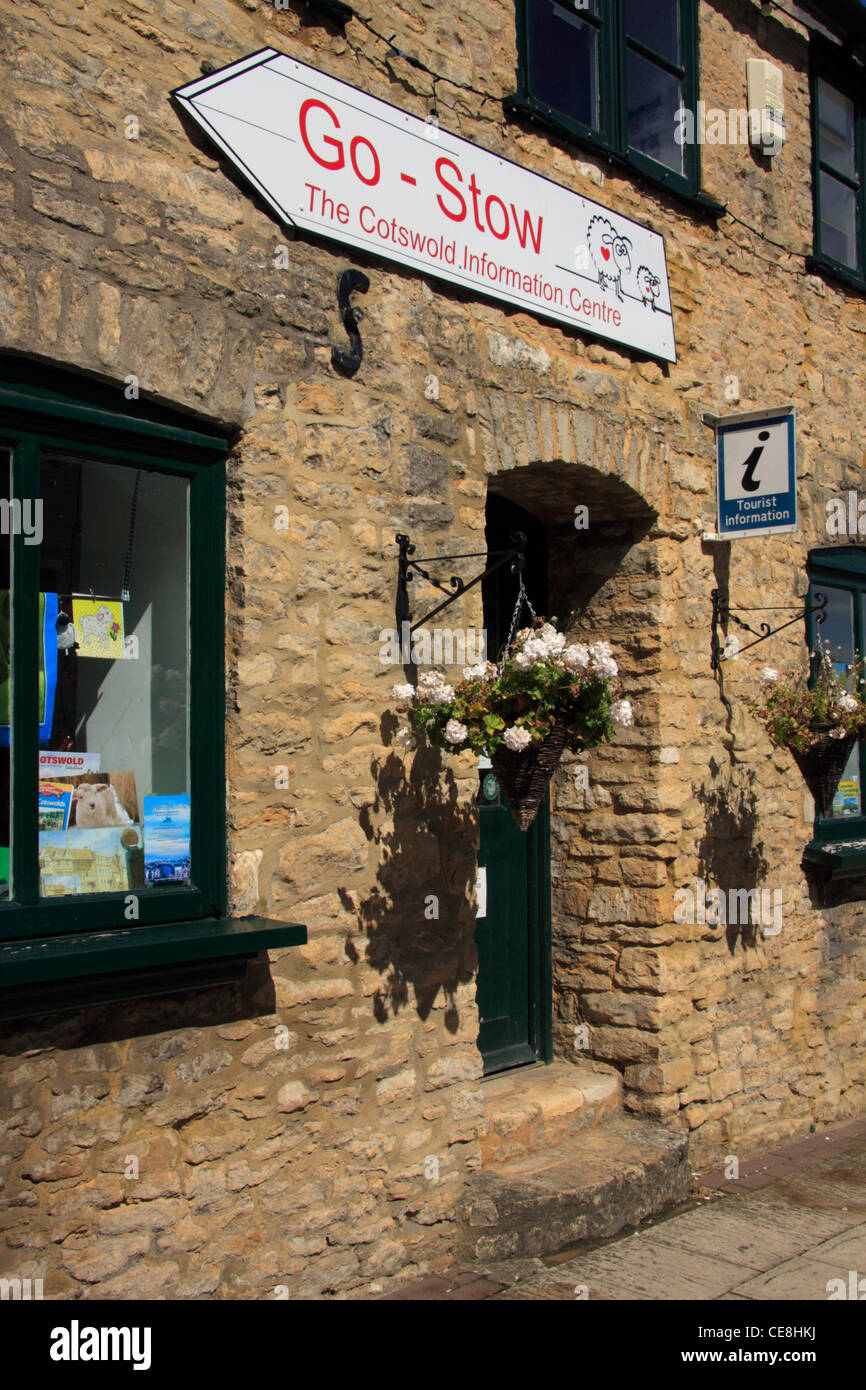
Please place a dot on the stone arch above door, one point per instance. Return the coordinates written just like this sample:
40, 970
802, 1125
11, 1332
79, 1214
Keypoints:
521, 431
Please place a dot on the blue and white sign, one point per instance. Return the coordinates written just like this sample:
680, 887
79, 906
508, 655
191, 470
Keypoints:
756, 475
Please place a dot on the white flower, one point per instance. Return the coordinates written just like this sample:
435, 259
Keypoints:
455, 732
433, 688
838, 733
403, 692
847, 704
538, 645
405, 739
516, 739
603, 663
475, 673
621, 712
575, 657
769, 674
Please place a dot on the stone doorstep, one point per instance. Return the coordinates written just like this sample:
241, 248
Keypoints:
531, 1109
591, 1186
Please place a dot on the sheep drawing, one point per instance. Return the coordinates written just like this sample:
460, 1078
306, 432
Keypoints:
609, 251
97, 626
649, 286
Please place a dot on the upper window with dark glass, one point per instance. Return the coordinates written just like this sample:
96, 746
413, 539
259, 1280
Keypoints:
615, 74
839, 156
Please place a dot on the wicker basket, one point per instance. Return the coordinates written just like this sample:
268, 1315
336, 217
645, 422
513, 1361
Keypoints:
524, 777
822, 768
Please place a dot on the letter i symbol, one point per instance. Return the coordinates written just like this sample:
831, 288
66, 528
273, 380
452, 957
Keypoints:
750, 483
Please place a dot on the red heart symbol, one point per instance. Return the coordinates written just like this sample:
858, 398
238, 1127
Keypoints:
605, 253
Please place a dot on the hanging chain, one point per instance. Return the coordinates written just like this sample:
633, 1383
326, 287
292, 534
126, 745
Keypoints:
522, 598
127, 564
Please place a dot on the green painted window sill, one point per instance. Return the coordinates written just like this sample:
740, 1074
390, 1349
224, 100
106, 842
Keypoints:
174, 950
838, 859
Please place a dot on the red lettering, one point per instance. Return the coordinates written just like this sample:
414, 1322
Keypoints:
534, 233
340, 159
499, 203
364, 227
617, 318
449, 164
475, 190
360, 140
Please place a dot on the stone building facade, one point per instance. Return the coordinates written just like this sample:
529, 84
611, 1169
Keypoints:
312, 1127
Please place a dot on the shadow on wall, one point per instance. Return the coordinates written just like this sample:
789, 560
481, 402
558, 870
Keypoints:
169, 1010
419, 920
729, 855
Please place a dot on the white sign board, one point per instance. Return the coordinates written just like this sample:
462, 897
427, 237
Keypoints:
329, 158
756, 473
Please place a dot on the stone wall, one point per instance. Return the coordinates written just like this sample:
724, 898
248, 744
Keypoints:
312, 1129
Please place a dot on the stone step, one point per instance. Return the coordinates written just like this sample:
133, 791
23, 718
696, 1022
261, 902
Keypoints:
592, 1185
533, 1109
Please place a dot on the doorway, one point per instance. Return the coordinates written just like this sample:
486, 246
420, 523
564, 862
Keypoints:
514, 985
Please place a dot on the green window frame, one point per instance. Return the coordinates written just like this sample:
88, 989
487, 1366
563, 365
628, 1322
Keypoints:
842, 569
45, 938
617, 48
838, 166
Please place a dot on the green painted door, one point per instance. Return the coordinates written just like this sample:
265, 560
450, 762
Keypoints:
513, 990
507, 936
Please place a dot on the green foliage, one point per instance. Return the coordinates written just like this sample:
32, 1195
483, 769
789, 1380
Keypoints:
531, 699
798, 715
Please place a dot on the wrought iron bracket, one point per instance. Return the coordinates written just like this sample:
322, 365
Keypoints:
723, 613
349, 362
407, 567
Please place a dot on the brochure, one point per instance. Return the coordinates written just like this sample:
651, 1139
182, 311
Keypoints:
55, 801
166, 838
67, 764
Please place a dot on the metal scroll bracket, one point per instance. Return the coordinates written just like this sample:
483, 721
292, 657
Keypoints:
723, 613
407, 568
349, 362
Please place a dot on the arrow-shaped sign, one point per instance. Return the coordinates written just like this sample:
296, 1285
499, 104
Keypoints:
327, 157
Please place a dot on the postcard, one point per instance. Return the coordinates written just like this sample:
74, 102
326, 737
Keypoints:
74, 862
166, 838
102, 799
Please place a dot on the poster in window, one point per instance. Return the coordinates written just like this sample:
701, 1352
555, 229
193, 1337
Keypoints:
47, 665
98, 627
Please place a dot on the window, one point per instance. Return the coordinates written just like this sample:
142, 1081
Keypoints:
112, 781
839, 167
837, 578
613, 74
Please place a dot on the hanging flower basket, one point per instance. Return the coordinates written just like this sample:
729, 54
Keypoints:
822, 766
819, 723
545, 696
524, 777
